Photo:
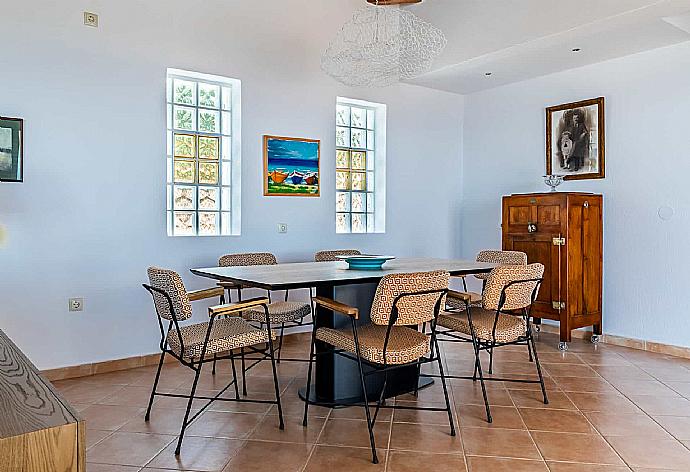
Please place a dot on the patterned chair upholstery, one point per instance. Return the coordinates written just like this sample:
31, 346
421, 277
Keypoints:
279, 312
330, 256
493, 256
405, 344
509, 327
226, 334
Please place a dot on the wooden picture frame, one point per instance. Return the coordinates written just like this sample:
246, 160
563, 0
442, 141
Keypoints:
292, 167
575, 144
11, 149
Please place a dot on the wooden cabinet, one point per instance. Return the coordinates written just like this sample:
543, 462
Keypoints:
564, 232
39, 431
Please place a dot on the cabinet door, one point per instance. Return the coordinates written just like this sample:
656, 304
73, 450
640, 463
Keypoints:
540, 248
585, 258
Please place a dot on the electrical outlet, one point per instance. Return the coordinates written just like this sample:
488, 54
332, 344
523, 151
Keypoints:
90, 19
76, 304
282, 227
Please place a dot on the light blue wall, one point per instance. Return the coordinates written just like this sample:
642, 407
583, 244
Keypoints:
90, 216
646, 259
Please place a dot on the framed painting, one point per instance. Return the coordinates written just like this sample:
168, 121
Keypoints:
575, 139
291, 166
11, 149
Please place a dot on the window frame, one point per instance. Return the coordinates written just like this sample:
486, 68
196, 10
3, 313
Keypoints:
229, 154
378, 171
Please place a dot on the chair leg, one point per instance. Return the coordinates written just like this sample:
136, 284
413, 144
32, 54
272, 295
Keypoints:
275, 380
381, 400
312, 355
536, 362
491, 359
234, 374
244, 374
445, 389
155, 384
370, 425
189, 407
213, 371
280, 343
529, 350
478, 370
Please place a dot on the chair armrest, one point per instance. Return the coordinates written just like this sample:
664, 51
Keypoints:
337, 306
231, 308
465, 296
205, 293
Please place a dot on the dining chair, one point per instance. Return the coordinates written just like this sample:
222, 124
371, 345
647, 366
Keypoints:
502, 320
193, 344
283, 313
391, 340
493, 256
332, 255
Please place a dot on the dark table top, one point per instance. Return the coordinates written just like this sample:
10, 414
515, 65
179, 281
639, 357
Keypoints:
311, 274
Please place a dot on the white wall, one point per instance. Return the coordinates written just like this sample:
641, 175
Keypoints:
646, 259
90, 216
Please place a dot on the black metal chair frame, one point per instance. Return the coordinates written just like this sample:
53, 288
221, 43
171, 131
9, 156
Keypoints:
383, 368
288, 324
489, 345
197, 364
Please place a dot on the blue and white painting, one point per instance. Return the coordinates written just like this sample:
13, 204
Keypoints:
291, 166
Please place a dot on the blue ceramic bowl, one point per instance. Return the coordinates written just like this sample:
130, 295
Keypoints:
365, 262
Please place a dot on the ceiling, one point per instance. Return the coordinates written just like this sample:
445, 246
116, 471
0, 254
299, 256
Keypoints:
516, 40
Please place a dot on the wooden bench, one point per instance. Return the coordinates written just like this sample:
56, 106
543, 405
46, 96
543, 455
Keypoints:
39, 430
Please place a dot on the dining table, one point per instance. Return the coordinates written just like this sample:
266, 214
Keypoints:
336, 378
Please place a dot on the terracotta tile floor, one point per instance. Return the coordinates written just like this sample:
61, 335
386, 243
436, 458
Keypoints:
612, 409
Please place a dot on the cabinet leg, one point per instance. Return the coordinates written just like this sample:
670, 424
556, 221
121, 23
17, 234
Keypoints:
597, 329
537, 324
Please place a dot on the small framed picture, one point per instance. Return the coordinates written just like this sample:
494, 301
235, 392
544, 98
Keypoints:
291, 166
575, 139
11, 149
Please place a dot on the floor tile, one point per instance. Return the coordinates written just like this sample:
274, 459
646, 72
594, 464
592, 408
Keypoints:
421, 416
294, 432
677, 426
535, 399
643, 387
425, 438
261, 456
221, 424
129, 396
94, 436
575, 447
92, 467
202, 454
344, 459
354, 433
606, 402
90, 391
504, 417
593, 384
402, 461
162, 421
576, 467
565, 421
652, 453
133, 449
108, 417
654, 405
499, 443
568, 370
614, 424
471, 394
499, 464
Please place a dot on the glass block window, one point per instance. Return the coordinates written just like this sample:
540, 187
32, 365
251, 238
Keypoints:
202, 154
359, 165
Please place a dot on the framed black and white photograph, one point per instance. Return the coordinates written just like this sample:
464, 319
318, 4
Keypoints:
11, 149
575, 140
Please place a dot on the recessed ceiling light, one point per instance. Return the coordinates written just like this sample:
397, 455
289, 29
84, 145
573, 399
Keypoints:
488, 73
576, 49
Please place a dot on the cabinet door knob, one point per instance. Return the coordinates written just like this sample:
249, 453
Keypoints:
586, 205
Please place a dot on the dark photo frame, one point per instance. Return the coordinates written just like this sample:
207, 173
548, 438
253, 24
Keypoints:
575, 140
11, 149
